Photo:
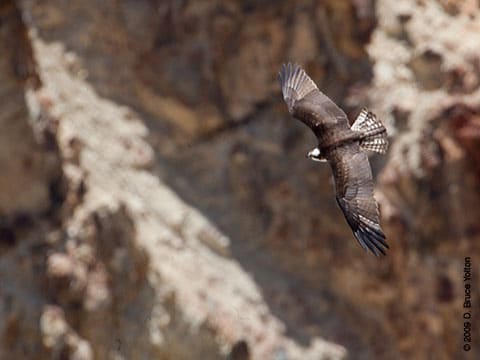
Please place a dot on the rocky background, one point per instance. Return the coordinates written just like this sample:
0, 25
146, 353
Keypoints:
155, 199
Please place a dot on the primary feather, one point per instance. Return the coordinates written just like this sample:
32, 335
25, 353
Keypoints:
295, 84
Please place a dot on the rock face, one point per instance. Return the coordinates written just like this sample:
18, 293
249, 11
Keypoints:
197, 67
429, 189
160, 204
27, 156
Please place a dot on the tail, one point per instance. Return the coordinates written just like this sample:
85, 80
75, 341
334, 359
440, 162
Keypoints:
295, 83
374, 133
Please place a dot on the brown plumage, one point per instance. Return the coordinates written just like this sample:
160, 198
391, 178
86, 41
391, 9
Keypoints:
344, 149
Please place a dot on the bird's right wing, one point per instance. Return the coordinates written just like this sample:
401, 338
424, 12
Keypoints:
305, 101
354, 187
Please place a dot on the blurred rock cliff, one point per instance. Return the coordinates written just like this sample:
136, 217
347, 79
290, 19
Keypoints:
155, 198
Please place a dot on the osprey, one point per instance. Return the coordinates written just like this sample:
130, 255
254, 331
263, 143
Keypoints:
343, 147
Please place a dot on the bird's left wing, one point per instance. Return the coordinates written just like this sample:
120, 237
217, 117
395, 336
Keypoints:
354, 188
305, 101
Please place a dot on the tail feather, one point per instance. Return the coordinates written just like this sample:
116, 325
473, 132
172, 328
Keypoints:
295, 83
374, 133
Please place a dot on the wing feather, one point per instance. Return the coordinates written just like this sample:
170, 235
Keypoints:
295, 83
354, 188
305, 101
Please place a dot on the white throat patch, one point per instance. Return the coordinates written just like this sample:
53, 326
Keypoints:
314, 153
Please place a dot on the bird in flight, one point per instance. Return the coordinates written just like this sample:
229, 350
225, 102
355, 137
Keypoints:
343, 147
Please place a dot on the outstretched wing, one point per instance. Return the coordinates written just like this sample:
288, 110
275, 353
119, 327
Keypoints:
305, 102
354, 187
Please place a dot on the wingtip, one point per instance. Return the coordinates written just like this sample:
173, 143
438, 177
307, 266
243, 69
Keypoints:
372, 240
295, 83
289, 68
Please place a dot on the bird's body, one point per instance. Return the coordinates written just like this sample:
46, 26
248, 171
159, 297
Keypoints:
344, 149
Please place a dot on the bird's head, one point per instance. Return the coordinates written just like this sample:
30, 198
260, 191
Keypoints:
315, 155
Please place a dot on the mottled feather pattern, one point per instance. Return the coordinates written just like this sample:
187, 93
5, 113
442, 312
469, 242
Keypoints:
374, 133
359, 124
295, 83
